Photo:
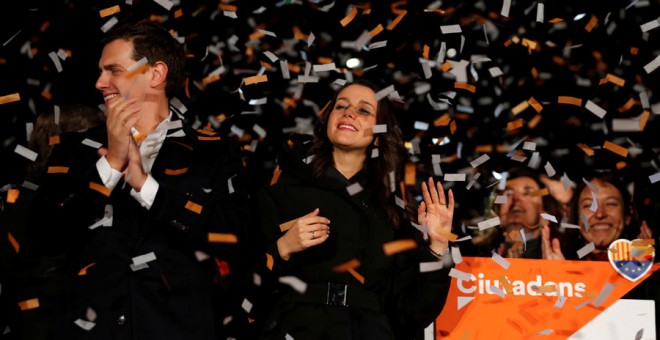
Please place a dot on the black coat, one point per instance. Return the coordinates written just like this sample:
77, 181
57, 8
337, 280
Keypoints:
201, 191
406, 300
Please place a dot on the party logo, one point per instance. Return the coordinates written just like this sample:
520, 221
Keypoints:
631, 259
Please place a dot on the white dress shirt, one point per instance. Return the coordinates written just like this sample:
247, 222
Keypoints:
149, 149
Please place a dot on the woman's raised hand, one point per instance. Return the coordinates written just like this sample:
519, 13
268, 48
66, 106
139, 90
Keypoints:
437, 211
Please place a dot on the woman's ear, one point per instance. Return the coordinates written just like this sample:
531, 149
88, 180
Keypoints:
159, 74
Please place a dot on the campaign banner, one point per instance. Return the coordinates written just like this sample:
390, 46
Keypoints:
496, 298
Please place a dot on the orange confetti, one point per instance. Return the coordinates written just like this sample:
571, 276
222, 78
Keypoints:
520, 107
227, 7
410, 177
643, 242
540, 192
505, 284
515, 124
446, 66
276, 175
347, 19
425, 52
178, 13
12, 195
391, 248
10, 98
194, 207
255, 36
208, 138
448, 235
344, 267
592, 22
53, 140
139, 70
535, 104
374, 32
100, 188
534, 121
13, 242
630, 103
300, 36
176, 172
210, 79
483, 148
555, 20
442, 120
643, 119
255, 79
612, 79
287, 225
465, 86
452, 127
620, 165
29, 304
83, 271
109, 11
569, 100
222, 238
589, 151
269, 261
619, 150
46, 94
356, 275
58, 169
397, 20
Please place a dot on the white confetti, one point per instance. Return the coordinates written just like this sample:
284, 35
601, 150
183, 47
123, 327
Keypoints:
425, 267
595, 109
650, 25
91, 143
560, 301
449, 29
379, 128
325, 67
456, 255
506, 5
354, 188
271, 56
497, 291
384, 92
586, 250
489, 223
109, 24
230, 14
570, 226
454, 177
137, 64
549, 169
655, 177
650, 67
549, 217
539, 12
504, 263
295, 283
422, 126
501, 199
148, 257
455, 273
56, 61
479, 161
246, 305
165, 3
25, 152
84, 324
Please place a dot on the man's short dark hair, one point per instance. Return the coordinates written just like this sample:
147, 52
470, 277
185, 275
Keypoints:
153, 41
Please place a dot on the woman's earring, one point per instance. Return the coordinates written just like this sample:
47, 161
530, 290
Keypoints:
376, 142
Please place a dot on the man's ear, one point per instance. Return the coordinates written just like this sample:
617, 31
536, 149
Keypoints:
158, 74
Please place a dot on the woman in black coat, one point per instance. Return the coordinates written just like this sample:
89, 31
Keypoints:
344, 259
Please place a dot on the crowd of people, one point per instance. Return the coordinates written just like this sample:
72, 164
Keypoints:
136, 221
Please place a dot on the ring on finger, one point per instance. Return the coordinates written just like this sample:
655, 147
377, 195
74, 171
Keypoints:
313, 235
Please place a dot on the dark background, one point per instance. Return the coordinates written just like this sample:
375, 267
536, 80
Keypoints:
568, 61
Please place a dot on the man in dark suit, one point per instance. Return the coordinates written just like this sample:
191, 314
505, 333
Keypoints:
151, 213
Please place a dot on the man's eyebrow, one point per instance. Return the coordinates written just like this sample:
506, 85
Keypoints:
110, 67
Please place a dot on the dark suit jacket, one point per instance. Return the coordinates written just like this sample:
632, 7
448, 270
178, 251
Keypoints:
201, 191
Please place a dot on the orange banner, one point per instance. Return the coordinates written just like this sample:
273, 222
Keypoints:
528, 298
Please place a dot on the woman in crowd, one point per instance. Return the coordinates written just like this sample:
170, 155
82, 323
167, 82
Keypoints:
610, 217
344, 253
